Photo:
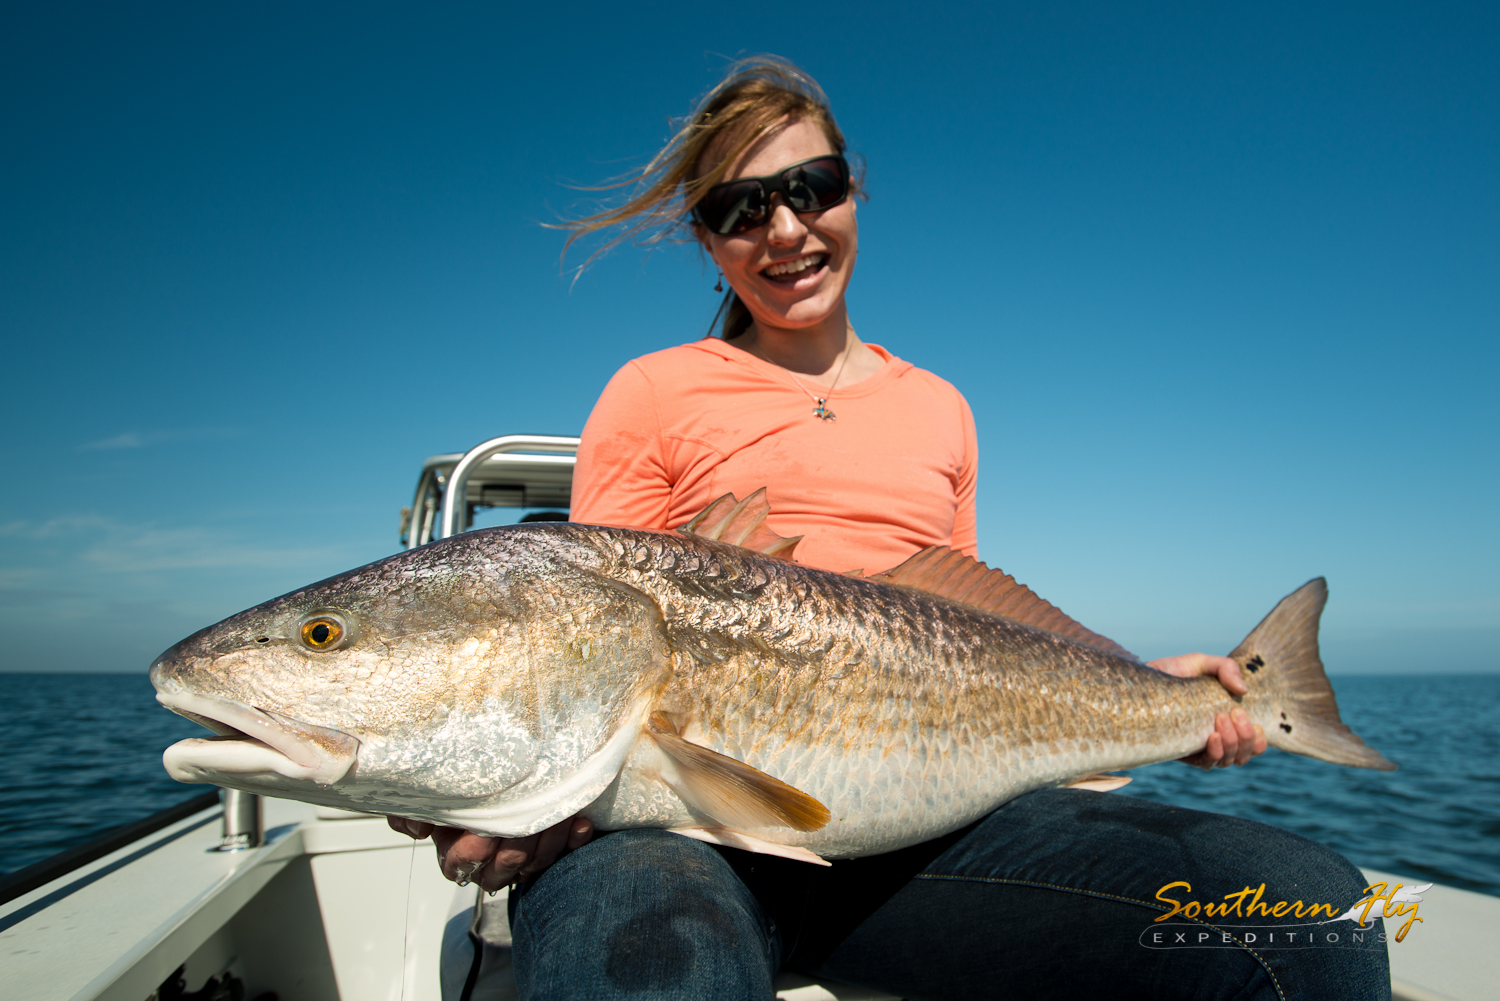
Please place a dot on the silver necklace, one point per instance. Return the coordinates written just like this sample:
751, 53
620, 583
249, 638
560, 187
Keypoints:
821, 411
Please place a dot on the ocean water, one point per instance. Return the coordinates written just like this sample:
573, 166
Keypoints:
1438, 817
82, 753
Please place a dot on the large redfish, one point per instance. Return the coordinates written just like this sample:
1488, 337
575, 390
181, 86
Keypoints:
504, 679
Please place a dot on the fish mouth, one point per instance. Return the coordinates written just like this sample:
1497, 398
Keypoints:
253, 741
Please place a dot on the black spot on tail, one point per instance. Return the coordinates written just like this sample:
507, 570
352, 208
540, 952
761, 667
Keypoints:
1286, 726
1255, 664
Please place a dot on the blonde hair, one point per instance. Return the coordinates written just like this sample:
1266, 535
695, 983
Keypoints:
757, 95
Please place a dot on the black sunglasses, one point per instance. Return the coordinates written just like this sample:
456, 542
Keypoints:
745, 203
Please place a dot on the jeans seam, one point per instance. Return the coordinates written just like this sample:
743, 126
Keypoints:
1111, 896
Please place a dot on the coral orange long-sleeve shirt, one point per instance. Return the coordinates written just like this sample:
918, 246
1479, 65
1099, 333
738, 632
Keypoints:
893, 474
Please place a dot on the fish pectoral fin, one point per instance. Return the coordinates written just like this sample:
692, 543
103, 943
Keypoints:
744, 842
1099, 782
742, 523
730, 791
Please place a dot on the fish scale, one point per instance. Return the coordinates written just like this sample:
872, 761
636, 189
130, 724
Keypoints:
954, 692
506, 678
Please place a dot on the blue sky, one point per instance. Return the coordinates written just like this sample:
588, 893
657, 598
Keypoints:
1221, 282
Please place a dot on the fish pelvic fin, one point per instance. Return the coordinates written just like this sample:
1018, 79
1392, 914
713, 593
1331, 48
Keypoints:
952, 575
1099, 782
1289, 692
742, 523
744, 842
729, 791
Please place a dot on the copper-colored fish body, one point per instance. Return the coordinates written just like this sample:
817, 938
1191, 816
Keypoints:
908, 714
505, 678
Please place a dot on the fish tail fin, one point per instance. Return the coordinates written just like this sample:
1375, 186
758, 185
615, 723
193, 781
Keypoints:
1290, 695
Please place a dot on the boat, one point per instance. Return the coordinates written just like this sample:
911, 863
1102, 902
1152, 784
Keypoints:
233, 897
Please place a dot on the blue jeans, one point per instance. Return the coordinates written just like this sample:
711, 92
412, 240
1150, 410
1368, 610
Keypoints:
1052, 895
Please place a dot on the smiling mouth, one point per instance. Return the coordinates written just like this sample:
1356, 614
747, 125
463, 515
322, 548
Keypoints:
791, 271
254, 741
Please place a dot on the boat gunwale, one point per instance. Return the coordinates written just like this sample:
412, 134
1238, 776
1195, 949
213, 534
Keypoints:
42, 872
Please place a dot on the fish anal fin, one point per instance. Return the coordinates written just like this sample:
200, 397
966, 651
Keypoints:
1099, 782
741, 523
744, 842
731, 792
949, 574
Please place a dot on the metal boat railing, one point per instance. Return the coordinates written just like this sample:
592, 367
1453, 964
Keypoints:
525, 470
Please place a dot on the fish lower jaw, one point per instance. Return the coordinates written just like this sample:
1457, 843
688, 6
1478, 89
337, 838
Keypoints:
230, 761
253, 742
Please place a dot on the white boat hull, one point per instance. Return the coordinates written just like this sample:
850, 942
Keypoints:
336, 905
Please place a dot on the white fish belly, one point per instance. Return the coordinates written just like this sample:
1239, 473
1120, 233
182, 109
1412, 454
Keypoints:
880, 799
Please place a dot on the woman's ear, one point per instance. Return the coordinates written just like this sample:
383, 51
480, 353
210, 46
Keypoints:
705, 243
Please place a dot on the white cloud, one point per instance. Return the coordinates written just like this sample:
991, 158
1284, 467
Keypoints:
127, 440
141, 439
54, 528
104, 544
151, 549
117, 592
19, 578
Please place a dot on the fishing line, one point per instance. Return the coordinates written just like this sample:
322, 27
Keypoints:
411, 869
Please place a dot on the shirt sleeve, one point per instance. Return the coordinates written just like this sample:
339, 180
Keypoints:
621, 475
965, 531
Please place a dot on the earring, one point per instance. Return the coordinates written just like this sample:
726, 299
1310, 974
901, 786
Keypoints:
719, 285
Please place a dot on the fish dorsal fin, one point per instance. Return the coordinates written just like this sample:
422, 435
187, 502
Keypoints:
741, 523
941, 571
731, 792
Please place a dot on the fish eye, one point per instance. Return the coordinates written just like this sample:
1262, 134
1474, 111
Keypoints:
322, 632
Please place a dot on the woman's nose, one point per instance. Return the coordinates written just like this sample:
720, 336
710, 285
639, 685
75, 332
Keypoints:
785, 225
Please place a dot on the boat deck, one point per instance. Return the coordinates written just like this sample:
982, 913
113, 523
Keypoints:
337, 905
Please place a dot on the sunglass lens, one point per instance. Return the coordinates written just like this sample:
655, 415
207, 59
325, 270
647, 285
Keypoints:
733, 208
816, 185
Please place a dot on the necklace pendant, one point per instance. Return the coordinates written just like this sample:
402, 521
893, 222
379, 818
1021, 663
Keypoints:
821, 411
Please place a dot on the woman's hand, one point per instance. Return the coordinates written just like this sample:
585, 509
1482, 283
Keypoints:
497, 862
1235, 739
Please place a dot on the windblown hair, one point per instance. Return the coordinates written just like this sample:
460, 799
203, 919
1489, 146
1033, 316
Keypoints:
757, 95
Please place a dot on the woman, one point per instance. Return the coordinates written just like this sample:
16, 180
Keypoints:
870, 459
